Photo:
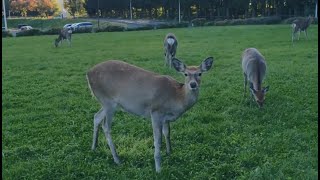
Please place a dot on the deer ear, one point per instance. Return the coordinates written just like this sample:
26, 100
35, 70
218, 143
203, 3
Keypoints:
206, 64
265, 90
178, 65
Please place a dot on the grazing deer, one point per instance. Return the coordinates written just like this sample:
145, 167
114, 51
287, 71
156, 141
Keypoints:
254, 70
144, 93
65, 33
300, 25
170, 48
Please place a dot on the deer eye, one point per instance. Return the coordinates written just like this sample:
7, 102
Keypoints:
199, 74
185, 74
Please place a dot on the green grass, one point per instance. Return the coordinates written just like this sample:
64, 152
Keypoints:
48, 109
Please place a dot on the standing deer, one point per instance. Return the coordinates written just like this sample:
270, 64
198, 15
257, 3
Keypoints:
144, 93
254, 70
170, 48
65, 33
300, 25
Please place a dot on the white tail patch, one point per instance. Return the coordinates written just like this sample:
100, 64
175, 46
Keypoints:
170, 41
69, 31
293, 25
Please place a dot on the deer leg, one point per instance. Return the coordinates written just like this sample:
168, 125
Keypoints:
170, 60
165, 59
251, 87
166, 133
306, 34
98, 117
292, 36
157, 127
110, 108
299, 35
245, 84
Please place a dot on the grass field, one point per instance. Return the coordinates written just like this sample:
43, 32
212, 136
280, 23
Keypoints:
47, 108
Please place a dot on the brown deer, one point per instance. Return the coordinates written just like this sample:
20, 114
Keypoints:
299, 25
144, 93
170, 48
254, 70
65, 33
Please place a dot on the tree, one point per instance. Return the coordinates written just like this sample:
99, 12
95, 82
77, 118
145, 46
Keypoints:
75, 7
40, 7
46, 7
19, 7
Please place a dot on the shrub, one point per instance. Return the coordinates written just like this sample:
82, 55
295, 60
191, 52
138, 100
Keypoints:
114, 28
182, 24
271, 20
209, 23
110, 28
250, 21
198, 21
53, 31
6, 34
165, 26
222, 23
237, 22
86, 30
31, 32
148, 27
290, 20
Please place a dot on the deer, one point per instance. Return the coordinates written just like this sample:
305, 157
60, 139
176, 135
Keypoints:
170, 48
300, 25
254, 70
65, 33
161, 98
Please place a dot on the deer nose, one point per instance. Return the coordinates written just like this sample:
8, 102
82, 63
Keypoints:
193, 85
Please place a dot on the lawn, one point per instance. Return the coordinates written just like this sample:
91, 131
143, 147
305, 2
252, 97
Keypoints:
47, 108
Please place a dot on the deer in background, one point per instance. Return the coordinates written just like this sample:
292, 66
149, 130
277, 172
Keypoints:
65, 33
170, 48
254, 70
144, 93
300, 25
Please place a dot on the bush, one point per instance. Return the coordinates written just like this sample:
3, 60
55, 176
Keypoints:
182, 24
110, 28
250, 21
198, 21
6, 34
31, 32
209, 23
53, 31
222, 23
165, 26
86, 30
148, 27
271, 20
237, 22
290, 20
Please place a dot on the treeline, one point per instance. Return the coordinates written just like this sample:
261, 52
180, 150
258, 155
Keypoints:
209, 9
32, 7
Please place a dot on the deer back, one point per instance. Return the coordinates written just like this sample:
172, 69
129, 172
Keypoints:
254, 66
